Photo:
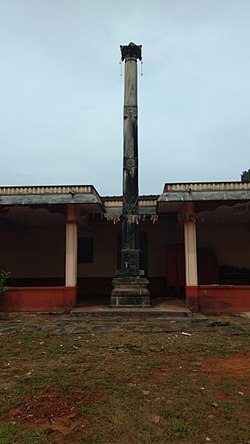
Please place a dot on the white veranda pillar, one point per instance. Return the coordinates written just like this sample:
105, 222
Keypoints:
190, 252
191, 266
71, 246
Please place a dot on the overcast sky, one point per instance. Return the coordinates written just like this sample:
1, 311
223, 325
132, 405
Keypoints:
61, 91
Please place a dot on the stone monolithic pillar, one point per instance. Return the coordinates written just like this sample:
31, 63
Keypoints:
130, 253
191, 256
130, 289
71, 246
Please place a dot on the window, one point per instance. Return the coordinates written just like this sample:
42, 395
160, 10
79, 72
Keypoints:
85, 250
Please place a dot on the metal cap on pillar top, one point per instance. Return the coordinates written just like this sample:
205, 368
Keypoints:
130, 286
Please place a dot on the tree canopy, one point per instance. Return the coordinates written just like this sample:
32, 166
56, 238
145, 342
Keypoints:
245, 176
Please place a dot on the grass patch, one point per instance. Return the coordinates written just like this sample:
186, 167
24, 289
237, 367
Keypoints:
10, 434
126, 387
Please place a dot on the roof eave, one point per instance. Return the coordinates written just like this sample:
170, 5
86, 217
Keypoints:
187, 196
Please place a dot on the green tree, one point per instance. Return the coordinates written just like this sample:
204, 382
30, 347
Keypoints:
245, 176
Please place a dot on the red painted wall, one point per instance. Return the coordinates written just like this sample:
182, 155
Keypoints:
218, 298
192, 299
224, 298
38, 299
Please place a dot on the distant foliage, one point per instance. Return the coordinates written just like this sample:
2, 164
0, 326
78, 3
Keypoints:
245, 177
4, 275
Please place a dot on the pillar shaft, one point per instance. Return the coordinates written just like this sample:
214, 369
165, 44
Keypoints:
130, 254
71, 246
190, 246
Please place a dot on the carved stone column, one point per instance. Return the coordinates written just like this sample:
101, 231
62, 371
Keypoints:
129, 286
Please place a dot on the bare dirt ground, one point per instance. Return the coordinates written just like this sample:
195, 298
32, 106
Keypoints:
53, 411
236, 365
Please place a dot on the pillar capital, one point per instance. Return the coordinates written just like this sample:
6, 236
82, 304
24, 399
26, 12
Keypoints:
131, 51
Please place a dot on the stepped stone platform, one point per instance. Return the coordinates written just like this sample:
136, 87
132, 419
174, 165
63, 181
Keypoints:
162, 308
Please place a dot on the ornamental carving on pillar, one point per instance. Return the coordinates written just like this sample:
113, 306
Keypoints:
131, 218
130, 111
130, 163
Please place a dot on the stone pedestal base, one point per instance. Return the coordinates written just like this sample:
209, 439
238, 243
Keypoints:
130, 292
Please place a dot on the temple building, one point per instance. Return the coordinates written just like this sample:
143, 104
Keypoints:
68, 246
62, 246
